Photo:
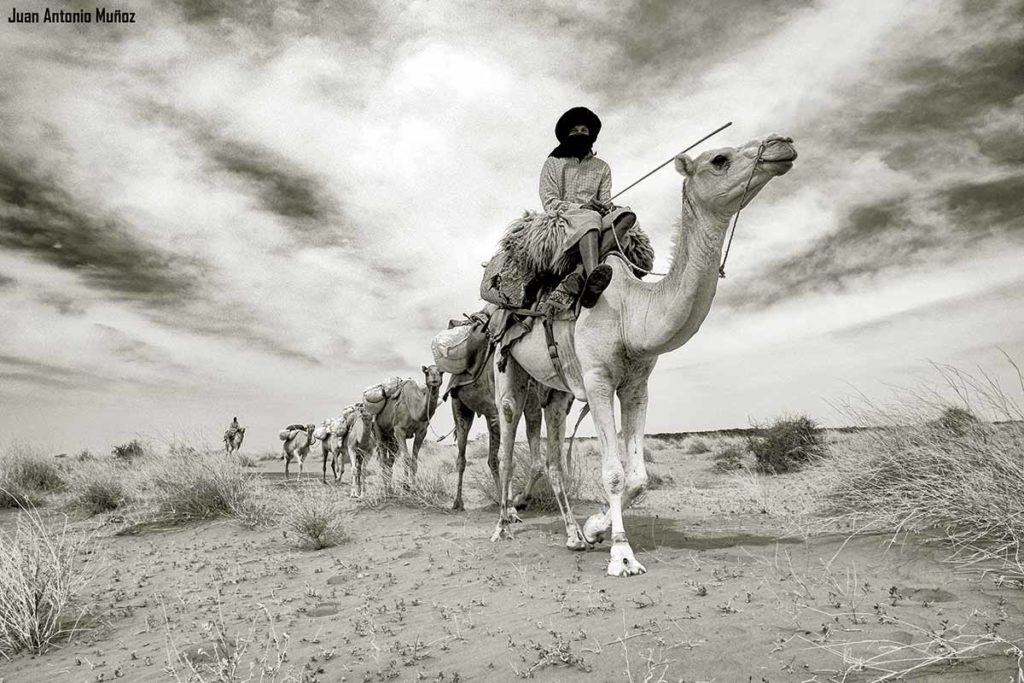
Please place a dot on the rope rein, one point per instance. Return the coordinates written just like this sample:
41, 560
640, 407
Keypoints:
736, 218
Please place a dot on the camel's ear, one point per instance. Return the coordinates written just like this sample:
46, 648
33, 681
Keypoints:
685, 165
424, 369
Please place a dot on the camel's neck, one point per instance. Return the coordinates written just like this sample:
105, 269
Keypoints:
429, 399
677, 305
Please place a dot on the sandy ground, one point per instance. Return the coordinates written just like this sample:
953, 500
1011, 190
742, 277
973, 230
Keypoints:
733, 592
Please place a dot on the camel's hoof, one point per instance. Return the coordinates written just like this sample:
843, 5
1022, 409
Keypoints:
457, 505
594, 530
514, 517
575, 540
522, 502
502, 532
622, 562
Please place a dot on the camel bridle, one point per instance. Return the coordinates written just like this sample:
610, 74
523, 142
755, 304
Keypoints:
735, 220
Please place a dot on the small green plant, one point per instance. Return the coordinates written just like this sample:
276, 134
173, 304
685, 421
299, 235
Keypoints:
787, 445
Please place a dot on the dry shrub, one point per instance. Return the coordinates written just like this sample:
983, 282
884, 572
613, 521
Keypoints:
316, 519
433, 488
657, 480
128, 451
787, 445
201, 488
729, 458
909, 475
696, 446
39, 582
99, 487
26, 477
245, 460
957, 421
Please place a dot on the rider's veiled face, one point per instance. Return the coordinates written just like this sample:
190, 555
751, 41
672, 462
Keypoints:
579, 130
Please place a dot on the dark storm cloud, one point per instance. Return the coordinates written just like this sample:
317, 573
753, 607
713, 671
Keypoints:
299, 198
872, 238
923, 111
645, 45
885, 237
40, 219
987, 205
281, 189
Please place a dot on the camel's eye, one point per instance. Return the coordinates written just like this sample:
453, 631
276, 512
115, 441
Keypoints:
720, 161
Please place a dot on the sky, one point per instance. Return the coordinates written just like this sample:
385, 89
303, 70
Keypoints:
260, 208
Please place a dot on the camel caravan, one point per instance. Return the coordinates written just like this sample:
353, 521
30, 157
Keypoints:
569, 317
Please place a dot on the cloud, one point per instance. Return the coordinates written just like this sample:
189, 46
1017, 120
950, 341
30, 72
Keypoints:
263, 207
39, 218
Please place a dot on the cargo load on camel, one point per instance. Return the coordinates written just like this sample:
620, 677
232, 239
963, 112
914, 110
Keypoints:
531, 258
376, 397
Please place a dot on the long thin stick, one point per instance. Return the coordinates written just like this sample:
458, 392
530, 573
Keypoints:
672, 158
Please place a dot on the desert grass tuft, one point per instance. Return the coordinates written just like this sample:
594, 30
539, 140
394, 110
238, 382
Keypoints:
40, 579
192, 489
696, 446
27, 477
911, 473
787, 445
730, 457
316, 519
98, 487
128, 451
432, 489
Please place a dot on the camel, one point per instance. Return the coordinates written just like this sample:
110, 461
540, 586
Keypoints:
477, 398
405, 416
233, 440
611, 349
359, 442
334, 444
297, 440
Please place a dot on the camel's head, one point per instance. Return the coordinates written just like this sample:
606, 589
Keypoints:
432, 375
241, 430
727, 178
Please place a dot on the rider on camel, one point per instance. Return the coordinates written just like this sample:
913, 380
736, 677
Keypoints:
578, 184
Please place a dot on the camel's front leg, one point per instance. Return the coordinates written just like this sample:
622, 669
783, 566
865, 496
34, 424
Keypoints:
463, 423
405, 457
633, 402
338, 456
417, 444
600, 396
532, 416
554, 416
327, 453
509, 398
355, 460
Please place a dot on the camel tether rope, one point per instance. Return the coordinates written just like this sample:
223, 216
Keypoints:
736, 218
